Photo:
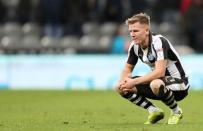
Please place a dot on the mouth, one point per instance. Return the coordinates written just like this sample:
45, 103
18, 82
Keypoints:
136, 40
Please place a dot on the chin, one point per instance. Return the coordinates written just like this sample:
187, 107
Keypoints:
136, 42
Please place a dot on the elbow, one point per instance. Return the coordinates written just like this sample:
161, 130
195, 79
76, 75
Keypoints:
161, 74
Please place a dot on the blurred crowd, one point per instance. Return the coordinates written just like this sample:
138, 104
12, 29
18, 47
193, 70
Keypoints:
95, 26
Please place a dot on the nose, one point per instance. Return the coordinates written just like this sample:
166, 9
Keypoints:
132, 35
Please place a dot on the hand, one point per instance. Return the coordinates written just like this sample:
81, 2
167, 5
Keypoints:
121, 84
133, 90
129, 83
120, 87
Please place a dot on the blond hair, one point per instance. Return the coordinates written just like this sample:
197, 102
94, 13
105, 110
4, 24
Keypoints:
142, 18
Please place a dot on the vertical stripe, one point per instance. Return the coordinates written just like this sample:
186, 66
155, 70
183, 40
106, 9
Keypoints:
167, 72
180, 68
132, 57
159, 49
173, 70
172, 52
173, 55
140, 53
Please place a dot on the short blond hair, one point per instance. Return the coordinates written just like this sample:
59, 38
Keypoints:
142, 18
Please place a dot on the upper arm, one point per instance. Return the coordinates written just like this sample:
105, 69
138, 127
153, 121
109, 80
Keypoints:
132, 57
129, 68
161, 48
160, 66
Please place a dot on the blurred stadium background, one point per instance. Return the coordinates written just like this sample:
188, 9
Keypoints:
82, 44
70, 45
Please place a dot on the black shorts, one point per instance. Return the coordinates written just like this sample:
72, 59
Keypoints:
146, 91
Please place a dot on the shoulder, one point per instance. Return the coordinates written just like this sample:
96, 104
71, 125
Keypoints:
159, 40
132, 46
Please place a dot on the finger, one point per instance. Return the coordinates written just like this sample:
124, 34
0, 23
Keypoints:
122, 82
129, 90
122, 87
125, 80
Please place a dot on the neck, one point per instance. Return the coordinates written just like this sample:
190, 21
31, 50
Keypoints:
145, 43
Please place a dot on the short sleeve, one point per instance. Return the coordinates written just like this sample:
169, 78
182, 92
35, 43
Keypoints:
161, 49
132, 57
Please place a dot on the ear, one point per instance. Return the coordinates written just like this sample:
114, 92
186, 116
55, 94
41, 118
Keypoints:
147, 31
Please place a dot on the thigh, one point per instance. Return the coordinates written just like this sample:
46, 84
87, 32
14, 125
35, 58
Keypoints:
180, 95
175, 84
179, 87
145, 91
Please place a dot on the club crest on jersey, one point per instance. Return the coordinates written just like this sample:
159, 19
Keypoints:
150, 57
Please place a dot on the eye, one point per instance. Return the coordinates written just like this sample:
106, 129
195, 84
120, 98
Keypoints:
133, 31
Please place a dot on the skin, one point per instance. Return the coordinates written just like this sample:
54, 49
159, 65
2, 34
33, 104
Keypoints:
140, 35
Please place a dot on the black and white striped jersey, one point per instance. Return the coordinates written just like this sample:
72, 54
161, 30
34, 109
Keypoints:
159, 49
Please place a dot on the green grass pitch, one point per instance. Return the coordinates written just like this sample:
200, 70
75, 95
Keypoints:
88, 111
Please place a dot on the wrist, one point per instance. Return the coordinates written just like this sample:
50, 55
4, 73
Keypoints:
136, 81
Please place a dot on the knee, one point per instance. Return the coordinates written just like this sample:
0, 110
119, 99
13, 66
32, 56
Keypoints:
120, 91
125, 93
155, 85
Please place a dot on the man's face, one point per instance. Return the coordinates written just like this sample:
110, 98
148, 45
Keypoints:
138, 32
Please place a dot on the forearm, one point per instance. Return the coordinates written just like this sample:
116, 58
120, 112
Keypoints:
149, 77
159, 71
125, 73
